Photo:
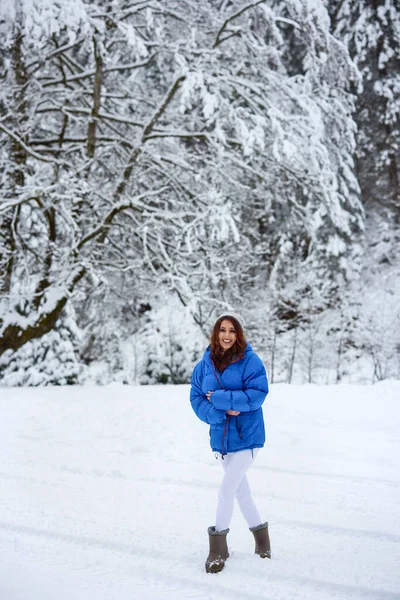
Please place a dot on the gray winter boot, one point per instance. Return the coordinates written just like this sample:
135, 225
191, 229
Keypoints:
218, 550
261, 536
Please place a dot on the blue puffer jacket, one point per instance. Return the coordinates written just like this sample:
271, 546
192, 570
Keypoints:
242, 387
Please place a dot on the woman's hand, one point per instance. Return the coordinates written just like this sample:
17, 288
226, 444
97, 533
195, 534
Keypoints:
208, 395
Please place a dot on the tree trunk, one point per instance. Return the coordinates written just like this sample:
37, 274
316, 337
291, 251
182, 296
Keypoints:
273, 351
14, 336
98, 80
293, 356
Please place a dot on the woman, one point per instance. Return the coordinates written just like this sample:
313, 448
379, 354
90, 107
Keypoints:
229, 386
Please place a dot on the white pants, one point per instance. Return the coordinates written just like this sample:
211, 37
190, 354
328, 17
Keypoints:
234, 483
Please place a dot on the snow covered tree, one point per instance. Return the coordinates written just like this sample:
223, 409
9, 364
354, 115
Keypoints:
86, 190
284, 132
205, 148
371, 31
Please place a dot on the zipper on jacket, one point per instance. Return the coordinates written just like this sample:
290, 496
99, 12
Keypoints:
238, 429
223, 436
227, 420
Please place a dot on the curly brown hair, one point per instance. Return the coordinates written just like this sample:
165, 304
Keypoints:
220, 357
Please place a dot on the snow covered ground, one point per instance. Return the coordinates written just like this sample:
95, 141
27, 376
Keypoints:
106, 493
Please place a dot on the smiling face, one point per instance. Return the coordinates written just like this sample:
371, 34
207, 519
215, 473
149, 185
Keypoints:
227, 334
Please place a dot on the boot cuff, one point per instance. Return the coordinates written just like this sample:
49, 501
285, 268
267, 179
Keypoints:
211, 531
259, 527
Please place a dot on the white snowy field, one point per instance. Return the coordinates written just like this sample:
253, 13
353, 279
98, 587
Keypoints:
106, 493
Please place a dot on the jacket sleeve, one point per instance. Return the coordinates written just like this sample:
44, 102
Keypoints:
252, 394
203, 408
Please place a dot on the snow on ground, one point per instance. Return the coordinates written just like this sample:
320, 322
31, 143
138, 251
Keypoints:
106, 493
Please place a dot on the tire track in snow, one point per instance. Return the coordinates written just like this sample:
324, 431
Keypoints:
81, 541
357, 533
162, 569
353, 478
166, 569
340, 590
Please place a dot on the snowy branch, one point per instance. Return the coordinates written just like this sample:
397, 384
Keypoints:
61, 50
219, 38
78, 140
71, 110
182, 134
14, 335
102, 229
146, 132
28, 150
92, 73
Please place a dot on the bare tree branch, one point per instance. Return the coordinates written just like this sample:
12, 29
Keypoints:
81, 140
146, 132
182, 134
92, 73
86, 111
218, 39
102, 229
28, 150
41, 61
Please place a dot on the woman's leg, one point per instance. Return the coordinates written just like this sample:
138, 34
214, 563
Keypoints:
246, 504
234, 483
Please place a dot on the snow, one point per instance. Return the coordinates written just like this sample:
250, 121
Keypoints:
107, 493
49, 17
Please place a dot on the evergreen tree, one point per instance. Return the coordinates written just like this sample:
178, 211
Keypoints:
371, 31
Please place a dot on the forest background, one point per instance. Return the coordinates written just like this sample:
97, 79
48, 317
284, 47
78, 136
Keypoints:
162, 162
